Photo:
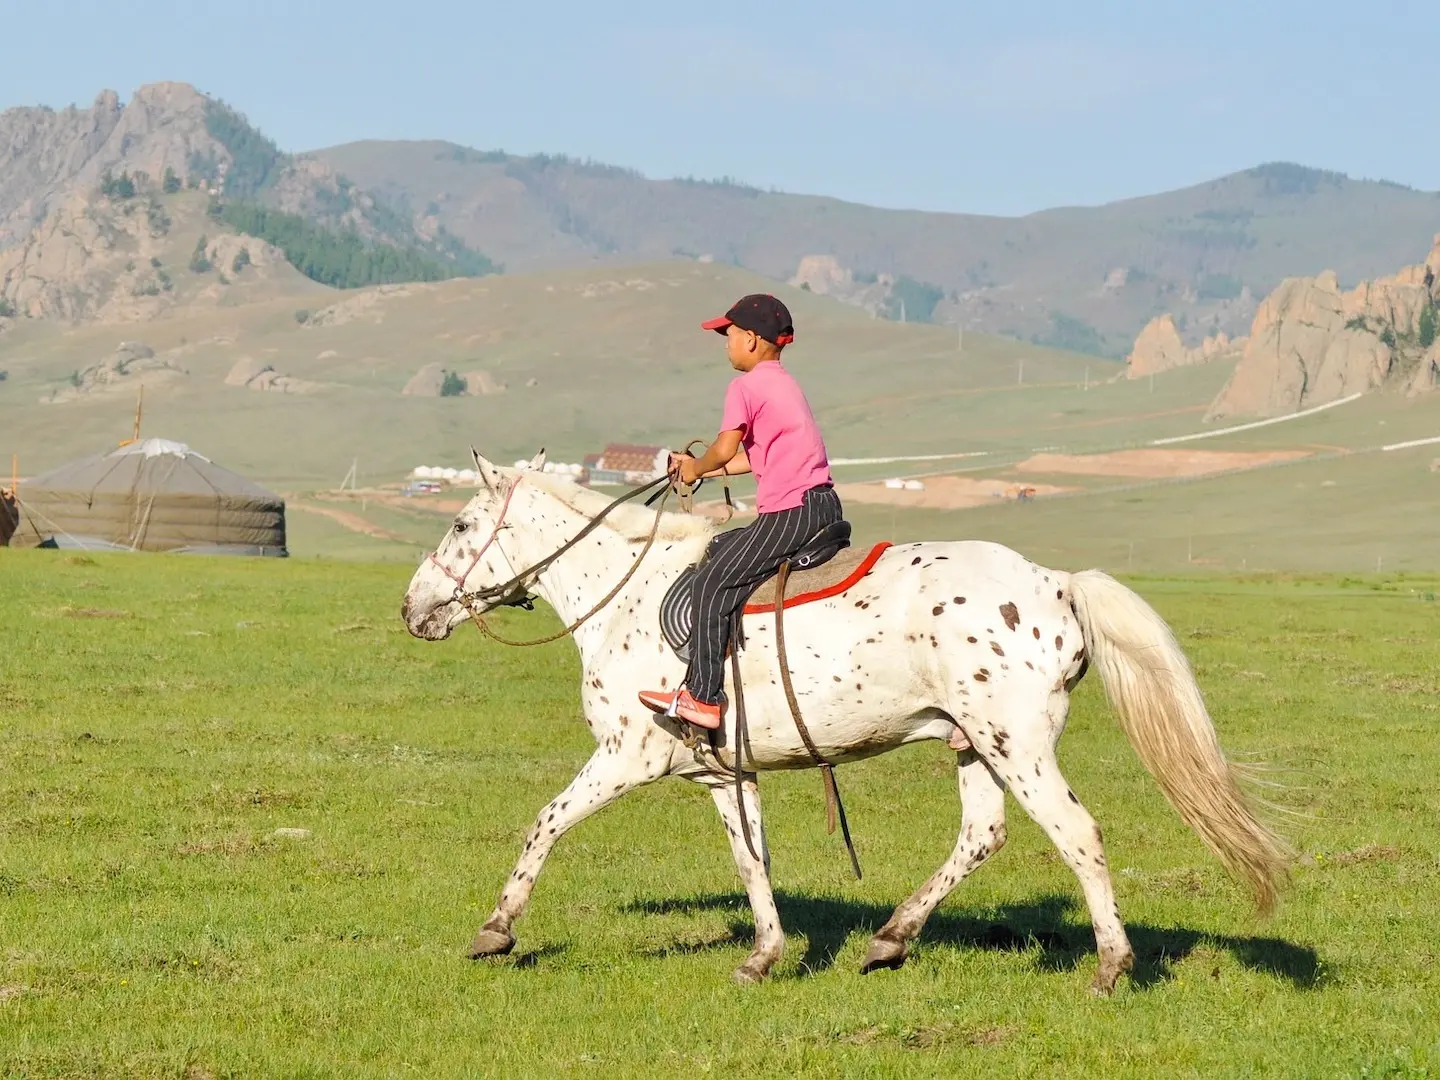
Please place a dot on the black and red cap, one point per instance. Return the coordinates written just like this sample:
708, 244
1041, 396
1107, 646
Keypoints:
760, 313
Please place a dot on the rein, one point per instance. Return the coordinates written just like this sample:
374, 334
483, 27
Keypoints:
513, 593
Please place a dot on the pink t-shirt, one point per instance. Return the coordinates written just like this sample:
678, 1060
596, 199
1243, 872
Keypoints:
782, 440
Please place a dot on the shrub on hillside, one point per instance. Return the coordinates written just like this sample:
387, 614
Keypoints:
117, 187
913, 301
199, 263
1425, 336
1067, 332
452, 386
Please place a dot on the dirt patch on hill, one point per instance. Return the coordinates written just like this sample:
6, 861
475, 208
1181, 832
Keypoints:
1154, 464
944, 492
353, 522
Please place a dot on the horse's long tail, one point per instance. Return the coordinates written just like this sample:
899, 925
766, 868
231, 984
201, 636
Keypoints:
1149, 683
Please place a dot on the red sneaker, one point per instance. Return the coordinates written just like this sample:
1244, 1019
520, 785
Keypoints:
680, 703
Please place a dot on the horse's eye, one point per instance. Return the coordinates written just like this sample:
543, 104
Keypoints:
460, 527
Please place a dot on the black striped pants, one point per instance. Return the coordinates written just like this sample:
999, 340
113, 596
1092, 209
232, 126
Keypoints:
725, 580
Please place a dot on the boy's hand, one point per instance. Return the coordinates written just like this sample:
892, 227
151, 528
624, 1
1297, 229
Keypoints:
682, 468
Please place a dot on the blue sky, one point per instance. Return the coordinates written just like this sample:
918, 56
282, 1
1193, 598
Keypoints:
1000, 108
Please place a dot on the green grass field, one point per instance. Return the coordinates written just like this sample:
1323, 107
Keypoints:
161, 718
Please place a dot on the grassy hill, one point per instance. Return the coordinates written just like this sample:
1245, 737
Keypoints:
1194, 251
615, 354
587, 357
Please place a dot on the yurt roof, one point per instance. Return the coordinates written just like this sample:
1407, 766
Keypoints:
150, 466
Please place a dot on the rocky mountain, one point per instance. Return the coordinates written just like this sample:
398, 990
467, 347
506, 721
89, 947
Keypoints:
1160, 348
127, 259
1086, 278
47, 156
1313, 342
87, 197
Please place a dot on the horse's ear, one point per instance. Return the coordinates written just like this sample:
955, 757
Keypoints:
537, 463
489, 475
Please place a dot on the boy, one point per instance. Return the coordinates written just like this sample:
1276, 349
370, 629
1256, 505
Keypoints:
767, 428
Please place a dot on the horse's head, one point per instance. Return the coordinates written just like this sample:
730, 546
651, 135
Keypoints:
468, 559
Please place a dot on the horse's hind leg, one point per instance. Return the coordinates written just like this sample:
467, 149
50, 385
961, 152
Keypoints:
769, 938
1029, 767
982, 832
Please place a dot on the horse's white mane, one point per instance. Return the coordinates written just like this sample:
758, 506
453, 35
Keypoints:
633, 520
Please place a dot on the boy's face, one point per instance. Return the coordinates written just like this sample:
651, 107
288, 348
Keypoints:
745, 348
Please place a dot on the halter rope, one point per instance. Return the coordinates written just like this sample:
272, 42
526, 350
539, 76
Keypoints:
513, 592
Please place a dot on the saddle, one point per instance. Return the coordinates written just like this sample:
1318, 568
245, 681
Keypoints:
819, 570
825, 566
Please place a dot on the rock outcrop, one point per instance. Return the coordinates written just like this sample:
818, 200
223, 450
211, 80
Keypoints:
1160, 348
427, 382
253, 374
103, 259
824, 275
132, 364
1312, 343
430, 381
1427, 375
88, 258
48, 155
166, 132
482, 384
366, 304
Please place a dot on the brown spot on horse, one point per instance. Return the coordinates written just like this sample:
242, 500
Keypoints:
1011, 614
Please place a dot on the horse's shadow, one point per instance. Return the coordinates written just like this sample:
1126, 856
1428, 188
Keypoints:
1046, 923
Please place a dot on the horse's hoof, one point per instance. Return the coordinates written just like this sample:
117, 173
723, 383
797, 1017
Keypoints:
884, 953
748, 975
1109, 974
490, 942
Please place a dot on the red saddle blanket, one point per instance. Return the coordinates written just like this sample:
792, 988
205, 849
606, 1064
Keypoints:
827, 580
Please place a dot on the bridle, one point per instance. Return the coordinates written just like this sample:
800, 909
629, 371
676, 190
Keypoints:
516, 591
459, 579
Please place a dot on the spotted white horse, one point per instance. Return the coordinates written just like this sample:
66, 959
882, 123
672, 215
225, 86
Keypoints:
964, 643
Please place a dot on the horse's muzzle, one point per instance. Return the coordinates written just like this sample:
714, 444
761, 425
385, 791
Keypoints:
434, 625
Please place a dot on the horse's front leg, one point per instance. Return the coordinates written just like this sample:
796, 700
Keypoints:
608, 774
755, 873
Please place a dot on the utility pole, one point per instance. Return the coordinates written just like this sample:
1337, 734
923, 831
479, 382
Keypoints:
959, 337
1087, 377
1020, 374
